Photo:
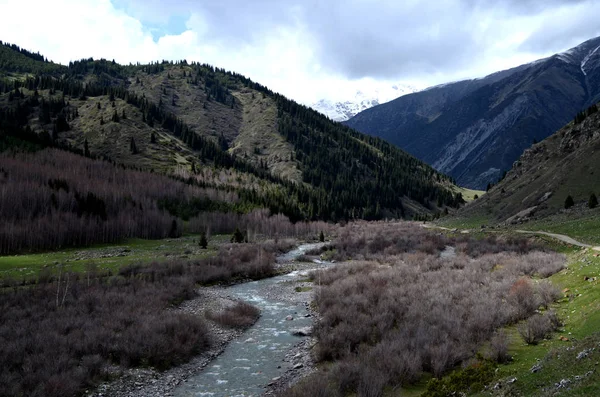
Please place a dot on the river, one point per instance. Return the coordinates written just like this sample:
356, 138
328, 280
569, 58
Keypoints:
250, 362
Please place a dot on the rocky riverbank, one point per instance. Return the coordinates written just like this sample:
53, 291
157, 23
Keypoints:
148, 382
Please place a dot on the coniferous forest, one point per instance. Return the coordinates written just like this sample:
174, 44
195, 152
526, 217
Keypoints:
345, 175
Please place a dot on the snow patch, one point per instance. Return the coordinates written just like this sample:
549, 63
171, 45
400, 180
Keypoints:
587, 58
364, 98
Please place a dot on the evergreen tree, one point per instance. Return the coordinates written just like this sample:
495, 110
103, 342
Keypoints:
132, 146
115, 117
174, 232
152, 137
569, 202
322, 237
86, 148
238, 236
593, 202
203, 243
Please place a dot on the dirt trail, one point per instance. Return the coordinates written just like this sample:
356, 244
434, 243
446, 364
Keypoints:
563, 238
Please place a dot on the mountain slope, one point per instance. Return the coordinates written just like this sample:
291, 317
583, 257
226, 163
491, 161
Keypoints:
474, 130
364, 98
220, 130
536, 188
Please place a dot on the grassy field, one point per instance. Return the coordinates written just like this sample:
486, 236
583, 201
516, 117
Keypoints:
468, 194
107, 257
585, 229
579, 311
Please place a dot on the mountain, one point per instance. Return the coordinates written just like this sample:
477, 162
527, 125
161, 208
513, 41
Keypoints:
564, 164
216, 130
365, 98
474, 130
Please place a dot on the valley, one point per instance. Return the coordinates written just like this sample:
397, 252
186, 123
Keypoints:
177, 229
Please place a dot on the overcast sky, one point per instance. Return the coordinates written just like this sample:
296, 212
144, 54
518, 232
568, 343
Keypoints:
308, 49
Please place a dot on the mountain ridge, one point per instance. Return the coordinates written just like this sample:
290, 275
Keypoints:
220, 129
474, 129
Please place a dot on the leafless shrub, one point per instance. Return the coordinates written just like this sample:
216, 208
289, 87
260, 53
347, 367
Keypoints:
498, 350
548, 292
404, 311
523, 298
241, 315
554, 319
314, 385
121, 320
536, 328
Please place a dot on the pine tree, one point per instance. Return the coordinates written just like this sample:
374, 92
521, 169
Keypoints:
174, 232
203, 243
238, 236
322, 237
152, 137
569, 202
593, 202
132, 146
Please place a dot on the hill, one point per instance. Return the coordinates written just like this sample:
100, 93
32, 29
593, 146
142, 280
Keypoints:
474, 130
536, 188
216, 130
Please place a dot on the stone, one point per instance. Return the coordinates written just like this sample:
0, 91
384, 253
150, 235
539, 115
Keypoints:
298, 366
289, 318
305, 331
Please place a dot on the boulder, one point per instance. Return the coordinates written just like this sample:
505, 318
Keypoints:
305, 331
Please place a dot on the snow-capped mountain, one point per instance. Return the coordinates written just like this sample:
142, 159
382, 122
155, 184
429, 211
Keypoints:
364, 98
473, 130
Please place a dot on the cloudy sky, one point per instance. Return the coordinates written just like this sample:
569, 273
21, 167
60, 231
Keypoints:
308, 49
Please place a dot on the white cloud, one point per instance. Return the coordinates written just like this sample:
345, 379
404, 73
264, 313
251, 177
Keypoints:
309, 49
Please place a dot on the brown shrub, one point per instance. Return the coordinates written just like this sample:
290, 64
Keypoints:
535, 329
409, 312
119, 320
548, 293
240, 315
498, 351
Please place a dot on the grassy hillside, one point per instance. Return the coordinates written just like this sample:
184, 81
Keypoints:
196, 121
534, 191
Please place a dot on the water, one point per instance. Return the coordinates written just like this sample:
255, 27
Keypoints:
448, 253
250, 362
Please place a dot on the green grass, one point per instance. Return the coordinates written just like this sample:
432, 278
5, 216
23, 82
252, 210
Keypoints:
474, 222
468, 194
580, 312
585, 229
108, 256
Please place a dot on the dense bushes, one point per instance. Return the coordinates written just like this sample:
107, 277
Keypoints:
404, 310
377, 240
538, 327
57, 337
57, 350
53, 199
240, 315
